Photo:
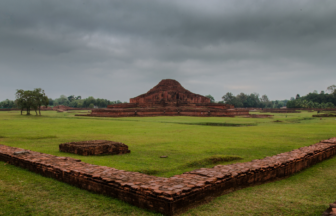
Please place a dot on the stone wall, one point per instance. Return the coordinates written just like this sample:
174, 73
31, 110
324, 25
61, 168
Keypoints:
174, 194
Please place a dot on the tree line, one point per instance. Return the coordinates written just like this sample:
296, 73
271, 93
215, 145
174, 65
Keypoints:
37, 98
78, 102
315, 100
311, 100
252, 100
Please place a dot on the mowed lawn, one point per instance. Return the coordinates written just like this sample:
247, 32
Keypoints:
187, 146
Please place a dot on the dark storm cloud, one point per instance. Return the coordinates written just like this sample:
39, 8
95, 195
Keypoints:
119, 49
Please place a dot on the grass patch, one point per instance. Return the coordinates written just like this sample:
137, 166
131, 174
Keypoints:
1, 136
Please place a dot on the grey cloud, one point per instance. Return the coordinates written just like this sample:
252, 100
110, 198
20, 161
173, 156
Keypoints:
119, 49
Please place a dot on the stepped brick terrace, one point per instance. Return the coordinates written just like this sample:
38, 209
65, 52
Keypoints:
94, 147
169, 195
169, 98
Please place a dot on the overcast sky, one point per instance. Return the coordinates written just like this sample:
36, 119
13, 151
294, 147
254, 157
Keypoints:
120, 49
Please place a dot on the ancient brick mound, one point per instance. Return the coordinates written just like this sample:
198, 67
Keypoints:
331, 211
171, 91
174, 194
94, 147
169, 98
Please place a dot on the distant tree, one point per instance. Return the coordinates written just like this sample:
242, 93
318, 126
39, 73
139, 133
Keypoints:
315, 92
7, 104
292, 98
330, 105
229, 98
40, 99
63, 100
212, 99
71, 98
91, 105
331, 89
51, 102
78, 97
31, 100
297, 96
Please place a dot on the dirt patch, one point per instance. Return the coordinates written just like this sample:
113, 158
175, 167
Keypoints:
217, 124
38, 137
212, 160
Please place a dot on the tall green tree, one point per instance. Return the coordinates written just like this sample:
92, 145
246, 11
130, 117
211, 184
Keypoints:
31, 100
40, 99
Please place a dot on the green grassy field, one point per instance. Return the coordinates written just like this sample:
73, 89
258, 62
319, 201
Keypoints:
187, 141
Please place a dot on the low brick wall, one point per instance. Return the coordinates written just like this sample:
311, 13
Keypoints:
325, 115
174, 194
94, 147
142, 112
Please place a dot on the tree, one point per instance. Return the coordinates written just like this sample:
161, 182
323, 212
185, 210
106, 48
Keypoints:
212, 99
51, 101
7, 104
330, 105
332, 89
91, 105
71, 98
20, 99
297, 96
40, 99
229, 98
31, 99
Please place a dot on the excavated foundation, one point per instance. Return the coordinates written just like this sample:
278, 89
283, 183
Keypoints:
174, 194
94, 147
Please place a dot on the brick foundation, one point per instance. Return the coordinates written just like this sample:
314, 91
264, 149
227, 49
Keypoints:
169, 111
94, 147
174, 194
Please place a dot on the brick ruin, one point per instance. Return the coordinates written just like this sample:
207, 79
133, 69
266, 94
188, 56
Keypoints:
94, 147
168, 98
175, 194
331, 211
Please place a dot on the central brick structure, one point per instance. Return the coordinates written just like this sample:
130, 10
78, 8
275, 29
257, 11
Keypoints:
174, 194
94, 147
168, 98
